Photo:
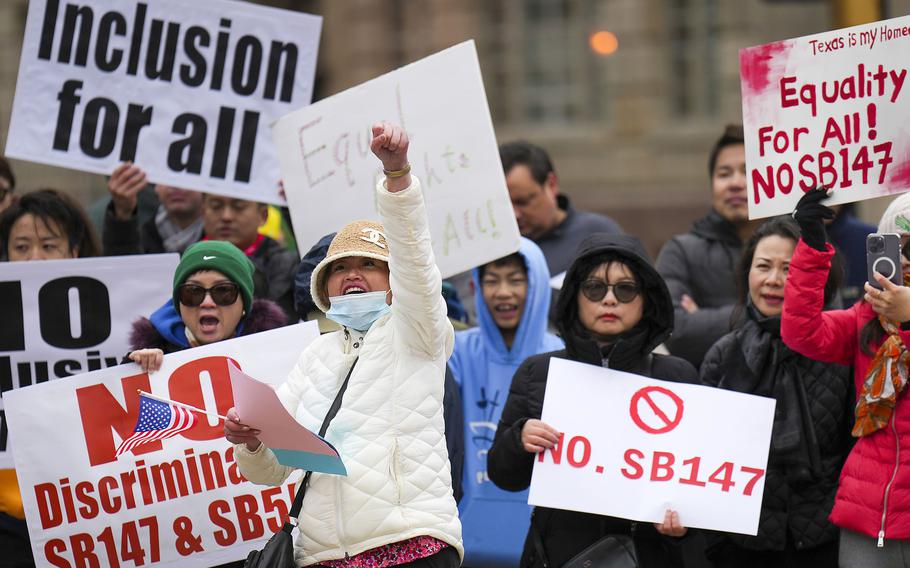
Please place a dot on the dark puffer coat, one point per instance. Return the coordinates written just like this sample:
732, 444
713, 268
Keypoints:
566, 533
700, 263
800, 483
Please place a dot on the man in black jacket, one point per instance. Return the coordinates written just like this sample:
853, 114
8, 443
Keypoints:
238, 221
698, 266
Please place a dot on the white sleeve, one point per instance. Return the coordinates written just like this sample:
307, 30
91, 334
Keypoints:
419, 311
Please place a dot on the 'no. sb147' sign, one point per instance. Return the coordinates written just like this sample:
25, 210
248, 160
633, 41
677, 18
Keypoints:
632, 447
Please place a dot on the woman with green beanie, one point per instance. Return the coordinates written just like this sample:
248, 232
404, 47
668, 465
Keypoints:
212, 301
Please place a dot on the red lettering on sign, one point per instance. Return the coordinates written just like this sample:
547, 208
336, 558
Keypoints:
724, 476
248, 517
52, 548
228, 534
756, 475
84, 551
636, 471
48, 505
693, 473
185, 385
101, 413
585, 451
555, 451
661, 466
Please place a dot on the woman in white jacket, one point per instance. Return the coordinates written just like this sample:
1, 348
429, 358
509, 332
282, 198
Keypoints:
395, 507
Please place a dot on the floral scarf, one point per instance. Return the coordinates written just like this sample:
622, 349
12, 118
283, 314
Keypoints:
885, 379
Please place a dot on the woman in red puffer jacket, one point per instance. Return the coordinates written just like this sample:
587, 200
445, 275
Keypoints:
872, 505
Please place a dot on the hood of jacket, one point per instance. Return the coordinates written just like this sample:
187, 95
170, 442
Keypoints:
713, 227
656, 323
483, 367
531, 335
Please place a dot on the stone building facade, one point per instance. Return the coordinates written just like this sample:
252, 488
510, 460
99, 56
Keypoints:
629, 132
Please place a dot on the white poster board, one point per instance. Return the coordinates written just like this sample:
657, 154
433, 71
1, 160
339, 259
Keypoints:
633, 447
65, 317
179, 501
330, 174
186, 90
830, 109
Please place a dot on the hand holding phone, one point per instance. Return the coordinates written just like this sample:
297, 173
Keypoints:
883, 255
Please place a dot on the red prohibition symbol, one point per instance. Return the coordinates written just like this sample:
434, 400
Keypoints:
666, 409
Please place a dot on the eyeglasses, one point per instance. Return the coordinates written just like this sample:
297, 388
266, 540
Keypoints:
595, 290
223, 294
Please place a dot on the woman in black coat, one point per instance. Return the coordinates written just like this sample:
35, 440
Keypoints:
614, 309
812, 419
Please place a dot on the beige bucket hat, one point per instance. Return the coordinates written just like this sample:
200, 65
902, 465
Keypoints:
360, 238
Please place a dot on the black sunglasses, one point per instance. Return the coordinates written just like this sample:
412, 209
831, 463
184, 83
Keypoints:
223, 294
595, 290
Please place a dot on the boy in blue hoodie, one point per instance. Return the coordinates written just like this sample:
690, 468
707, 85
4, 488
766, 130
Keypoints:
513, 300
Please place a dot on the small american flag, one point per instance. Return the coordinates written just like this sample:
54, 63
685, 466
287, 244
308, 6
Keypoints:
157, 420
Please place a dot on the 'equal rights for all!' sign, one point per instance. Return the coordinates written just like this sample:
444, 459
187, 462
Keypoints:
827, 110
633, 447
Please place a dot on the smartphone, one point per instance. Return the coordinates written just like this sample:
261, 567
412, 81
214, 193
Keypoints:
883, 255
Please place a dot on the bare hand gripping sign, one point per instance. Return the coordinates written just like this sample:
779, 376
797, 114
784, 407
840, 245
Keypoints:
186, 90
827, 110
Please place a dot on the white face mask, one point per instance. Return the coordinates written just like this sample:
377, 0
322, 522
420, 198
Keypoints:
358, 311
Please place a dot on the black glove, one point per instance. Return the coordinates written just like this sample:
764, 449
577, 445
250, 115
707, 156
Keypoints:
811, 215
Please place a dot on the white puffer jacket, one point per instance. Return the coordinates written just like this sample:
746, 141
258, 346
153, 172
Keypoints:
389, 430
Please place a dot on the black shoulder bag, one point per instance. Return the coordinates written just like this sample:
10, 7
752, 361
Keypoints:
278, 552
611, 551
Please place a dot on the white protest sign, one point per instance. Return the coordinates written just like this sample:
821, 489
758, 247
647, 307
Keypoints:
330, 174
830, 110
633, 447
186, 90
65, 317
179, 501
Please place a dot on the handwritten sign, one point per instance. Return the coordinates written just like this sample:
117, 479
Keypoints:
187, 90
633, 447
180, 501
66, 317
330, 174
827, 110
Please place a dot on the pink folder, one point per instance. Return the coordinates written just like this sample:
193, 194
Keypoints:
295, 446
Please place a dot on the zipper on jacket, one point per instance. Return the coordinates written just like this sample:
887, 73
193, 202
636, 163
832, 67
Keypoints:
394, 472
338, 524
897, 461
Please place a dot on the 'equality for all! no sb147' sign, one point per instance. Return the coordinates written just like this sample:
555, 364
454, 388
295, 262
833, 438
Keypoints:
186, 90
330, 174
830, 110
633, 447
